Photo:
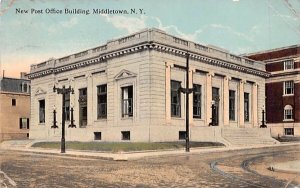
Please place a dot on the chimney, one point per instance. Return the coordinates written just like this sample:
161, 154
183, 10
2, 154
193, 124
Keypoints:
23, 75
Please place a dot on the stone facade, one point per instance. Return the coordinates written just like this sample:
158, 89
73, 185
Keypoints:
282, 89
133, 80
14, 108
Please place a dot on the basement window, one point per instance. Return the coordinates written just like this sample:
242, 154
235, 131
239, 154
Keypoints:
125, 135
182, 135
97, 135
289, 131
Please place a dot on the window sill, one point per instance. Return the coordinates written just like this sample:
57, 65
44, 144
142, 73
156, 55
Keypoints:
288, 120
101, 119
42, 124
287, 95
126, 118
177, 118
198, 119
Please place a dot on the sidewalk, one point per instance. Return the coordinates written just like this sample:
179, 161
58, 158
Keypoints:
124, 156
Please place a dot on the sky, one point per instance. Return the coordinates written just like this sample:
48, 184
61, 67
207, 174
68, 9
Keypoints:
239, 26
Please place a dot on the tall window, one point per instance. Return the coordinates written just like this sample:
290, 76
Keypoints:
83, 113
288, 64
42, 111
127, 102
246, 106
288, 87
197, 101
216, 101
231, 105
288, 112
102, 101
175, 99
67, 107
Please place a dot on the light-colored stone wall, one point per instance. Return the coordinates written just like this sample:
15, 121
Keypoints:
10, 115
150, 72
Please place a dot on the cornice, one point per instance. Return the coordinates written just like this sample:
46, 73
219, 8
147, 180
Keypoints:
149, 46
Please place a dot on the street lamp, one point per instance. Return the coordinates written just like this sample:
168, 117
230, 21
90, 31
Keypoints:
187, 91
263, 125
54, 118
63, 91
72, 118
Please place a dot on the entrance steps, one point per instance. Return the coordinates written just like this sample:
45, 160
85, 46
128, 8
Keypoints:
248, 136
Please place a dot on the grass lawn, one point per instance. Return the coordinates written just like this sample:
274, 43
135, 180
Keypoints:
124, 146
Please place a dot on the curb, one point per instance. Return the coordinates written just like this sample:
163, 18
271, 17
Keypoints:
125, 156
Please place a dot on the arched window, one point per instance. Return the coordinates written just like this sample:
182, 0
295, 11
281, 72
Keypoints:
288, 112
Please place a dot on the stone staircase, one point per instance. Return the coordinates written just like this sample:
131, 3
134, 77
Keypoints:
248, 136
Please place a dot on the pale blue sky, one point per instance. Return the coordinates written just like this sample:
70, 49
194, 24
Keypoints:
240, 26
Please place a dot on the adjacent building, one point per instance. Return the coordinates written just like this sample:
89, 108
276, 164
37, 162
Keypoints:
14, 108
282, 89
127, 89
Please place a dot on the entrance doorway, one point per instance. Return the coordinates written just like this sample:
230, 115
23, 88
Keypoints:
215, 110
82, 107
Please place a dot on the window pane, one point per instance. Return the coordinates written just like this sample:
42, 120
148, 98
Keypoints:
197, 101
127, 101
289, 87
175, 98
231, 105
102, 101
246, 106
42, 111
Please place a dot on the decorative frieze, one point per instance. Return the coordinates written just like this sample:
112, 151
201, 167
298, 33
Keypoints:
150, 46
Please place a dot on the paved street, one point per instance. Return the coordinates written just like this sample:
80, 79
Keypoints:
223, 169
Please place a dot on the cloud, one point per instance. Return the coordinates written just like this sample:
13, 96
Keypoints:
196, 34
130, 24
70, 23
174, 29
231, 30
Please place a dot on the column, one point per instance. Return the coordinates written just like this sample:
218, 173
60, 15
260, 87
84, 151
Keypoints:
89, 99
255, 105
226, 100
208, 96
241, 103
192, 70
168, 93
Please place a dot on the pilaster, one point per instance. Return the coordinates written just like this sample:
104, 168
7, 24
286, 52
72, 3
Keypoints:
226, 100
241, 103
168, 92
208, 96
255, 105
191, 120
89, 99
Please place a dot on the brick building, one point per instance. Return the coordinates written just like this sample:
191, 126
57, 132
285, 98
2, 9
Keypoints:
282, 89
14, 108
